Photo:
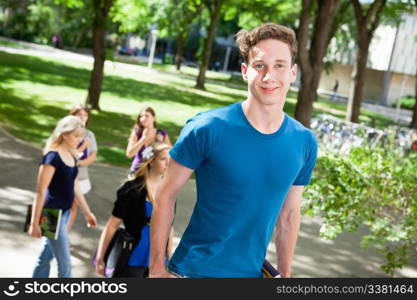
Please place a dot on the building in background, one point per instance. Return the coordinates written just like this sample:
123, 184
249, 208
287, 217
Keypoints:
392, 64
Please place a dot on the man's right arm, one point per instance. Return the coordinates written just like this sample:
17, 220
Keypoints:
174, 180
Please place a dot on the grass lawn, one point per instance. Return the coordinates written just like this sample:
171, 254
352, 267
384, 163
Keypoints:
37, 91
12, 44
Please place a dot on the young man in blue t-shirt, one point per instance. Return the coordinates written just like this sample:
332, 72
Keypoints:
251, 162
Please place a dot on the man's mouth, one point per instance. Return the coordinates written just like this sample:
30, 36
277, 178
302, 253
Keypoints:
269, 90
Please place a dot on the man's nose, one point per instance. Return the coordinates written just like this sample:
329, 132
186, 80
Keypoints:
268, 75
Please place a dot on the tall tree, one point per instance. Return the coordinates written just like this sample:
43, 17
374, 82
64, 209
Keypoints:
248, 14
101, 12
367, 20
312, 51
214, 7
176, 17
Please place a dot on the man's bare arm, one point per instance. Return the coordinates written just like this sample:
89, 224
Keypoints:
287, 228
163, 214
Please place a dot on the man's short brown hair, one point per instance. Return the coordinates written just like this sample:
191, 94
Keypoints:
247, 39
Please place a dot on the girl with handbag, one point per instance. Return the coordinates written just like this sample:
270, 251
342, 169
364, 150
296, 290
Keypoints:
56, 188
133, 207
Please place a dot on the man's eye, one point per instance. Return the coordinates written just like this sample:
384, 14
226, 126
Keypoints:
259, 66
279, 66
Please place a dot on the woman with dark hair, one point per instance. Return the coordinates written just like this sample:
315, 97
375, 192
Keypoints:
143, 134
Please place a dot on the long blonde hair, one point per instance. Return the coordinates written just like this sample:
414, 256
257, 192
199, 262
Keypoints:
66, 125
145, 165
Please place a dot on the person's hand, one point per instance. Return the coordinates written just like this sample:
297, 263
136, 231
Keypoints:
87, 142
91, 220
35, 231
159, 137
80, 162
149, 135
100, 267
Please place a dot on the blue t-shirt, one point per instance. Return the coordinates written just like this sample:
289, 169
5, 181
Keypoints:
242, 177
60, 192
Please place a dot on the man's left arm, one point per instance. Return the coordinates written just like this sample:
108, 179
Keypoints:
287, 227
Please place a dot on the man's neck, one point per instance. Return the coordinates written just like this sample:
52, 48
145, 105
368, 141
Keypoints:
266, 119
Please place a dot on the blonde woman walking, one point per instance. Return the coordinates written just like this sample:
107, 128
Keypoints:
134, 209
56, 188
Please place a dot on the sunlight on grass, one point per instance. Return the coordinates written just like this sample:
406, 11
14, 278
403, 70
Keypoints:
64, 95
166, 110
12, 44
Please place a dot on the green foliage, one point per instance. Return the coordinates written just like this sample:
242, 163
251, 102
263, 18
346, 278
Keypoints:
79, 4
16, 28
371, 187
177, 16
41, 19
34, 22
134, 15
407, 102
75, 21
254, 13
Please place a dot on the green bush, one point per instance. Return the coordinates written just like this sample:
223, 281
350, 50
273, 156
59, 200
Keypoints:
407, 102
168, 59
37, 24
372, 187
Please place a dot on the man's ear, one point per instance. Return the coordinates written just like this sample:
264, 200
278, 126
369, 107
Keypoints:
244, 70
294, 73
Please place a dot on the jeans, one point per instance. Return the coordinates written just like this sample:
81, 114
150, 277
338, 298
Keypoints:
59, 248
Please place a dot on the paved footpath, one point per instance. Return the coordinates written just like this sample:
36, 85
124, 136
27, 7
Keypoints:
314, 257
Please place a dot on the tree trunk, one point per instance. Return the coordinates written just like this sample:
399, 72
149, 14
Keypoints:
413, 123
180, 50
101, 10
306, 96
208, 43
96, 78
366, 24
358, 80
311, 60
